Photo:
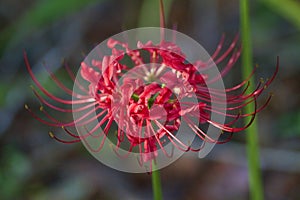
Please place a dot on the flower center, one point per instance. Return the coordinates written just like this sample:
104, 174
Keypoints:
144, 105
143, 108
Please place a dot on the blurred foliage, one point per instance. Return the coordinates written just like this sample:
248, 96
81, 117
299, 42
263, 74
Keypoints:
289, 9
14, 168
290, 124
41, 14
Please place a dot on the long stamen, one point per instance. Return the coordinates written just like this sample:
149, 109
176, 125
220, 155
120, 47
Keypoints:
171, 137
63, 87
72, 76
150, 129
87, 100
51, 134
43, 101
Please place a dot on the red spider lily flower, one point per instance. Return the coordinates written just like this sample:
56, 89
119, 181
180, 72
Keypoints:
148, 116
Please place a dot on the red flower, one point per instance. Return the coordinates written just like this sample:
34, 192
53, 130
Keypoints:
148, 106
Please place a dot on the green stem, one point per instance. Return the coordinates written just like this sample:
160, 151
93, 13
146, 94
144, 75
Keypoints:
146, 19
255, 180
156, 184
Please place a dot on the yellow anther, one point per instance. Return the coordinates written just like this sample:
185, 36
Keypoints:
41, 108
51, 134
262, 80
26, 107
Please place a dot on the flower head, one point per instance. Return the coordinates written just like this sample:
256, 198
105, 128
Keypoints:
138, 99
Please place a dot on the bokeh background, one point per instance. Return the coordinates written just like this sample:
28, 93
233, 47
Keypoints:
35, 167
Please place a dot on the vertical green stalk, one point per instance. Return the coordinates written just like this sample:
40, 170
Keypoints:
254, 173
156, 184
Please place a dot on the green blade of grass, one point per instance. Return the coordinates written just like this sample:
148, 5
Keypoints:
254, 173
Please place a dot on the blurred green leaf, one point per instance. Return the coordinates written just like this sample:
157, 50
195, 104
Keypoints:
41, 14
289, 9
290, 124
14, 169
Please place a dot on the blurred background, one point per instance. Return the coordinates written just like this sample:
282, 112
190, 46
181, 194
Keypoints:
35, 167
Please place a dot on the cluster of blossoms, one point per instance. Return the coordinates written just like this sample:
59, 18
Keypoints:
147, 102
